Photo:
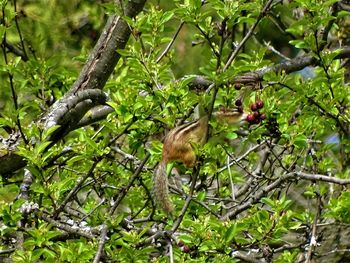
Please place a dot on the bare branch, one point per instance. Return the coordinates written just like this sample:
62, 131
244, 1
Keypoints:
344, 6
96, 114
101, 243
290, 66
63, 111
278, 182
313, 237
65, 227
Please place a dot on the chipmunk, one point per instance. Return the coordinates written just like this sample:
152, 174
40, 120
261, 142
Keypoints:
178, 146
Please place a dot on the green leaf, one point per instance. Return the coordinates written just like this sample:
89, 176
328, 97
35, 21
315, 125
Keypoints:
231, 136
187, 239
201, 196
343, 13
300, 141
231, 233
123, 52
166, 17
208, 245
268, 201
299, 43
48, 132
40, 148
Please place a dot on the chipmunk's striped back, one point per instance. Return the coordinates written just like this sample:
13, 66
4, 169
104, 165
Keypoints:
178, 146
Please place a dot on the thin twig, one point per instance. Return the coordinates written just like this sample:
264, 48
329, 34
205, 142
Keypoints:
313, 238
76, 188
103, 201
166, 50
248, 35
25, 57
242, 156
126, 128
13, 91
150, 199
206, 207
124, 190
7, 251
322, 64
328, 27
15, 50
188, 200
222, 42
206, 36
272, 49
231, 180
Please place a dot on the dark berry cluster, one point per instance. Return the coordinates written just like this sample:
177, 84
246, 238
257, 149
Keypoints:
256, 116
273, 127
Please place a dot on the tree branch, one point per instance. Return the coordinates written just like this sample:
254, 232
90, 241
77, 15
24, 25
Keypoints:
290, 66
267, 189
94, 75
96, 114
101, 243
65, 227
104, 56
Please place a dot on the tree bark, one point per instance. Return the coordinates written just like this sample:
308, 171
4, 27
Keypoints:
69, 110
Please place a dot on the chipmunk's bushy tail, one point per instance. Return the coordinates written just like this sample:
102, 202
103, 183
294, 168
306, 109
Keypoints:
161, 190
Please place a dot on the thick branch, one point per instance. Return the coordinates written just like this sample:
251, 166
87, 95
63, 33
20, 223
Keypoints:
94, 115
104, 56
290, 66
94, 75
66, 110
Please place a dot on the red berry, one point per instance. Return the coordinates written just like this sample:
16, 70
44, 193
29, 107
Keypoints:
186, 249
259, 104
256, 115
250, 118
238, 86
254, 107
180, 243
238, 102
263, 116
240, 109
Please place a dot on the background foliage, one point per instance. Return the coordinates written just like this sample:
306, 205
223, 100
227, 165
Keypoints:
87, 194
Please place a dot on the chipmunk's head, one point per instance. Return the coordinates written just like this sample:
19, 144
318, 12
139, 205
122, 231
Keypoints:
231, 116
